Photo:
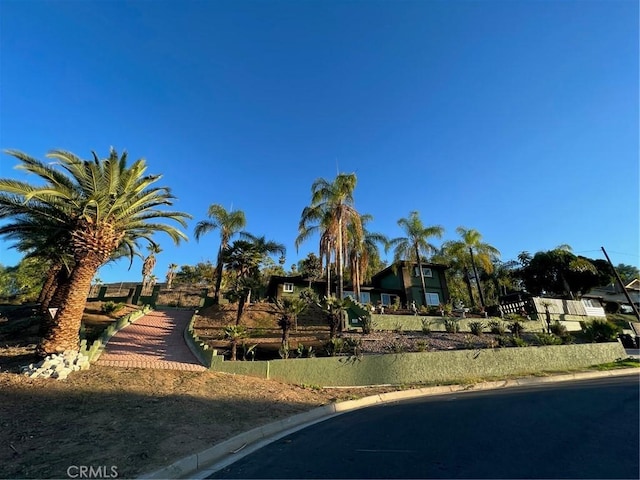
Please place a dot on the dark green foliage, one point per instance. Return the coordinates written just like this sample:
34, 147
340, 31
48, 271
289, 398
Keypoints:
516, 328
496, 327
548, 339
476, 327
109, 307
600, 331
612, 307
367, 324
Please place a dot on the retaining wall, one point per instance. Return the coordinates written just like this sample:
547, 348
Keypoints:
426, 367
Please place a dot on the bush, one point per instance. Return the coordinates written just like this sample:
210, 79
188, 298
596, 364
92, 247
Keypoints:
516, 328
519, 342
612, 307
496, 327
426, 326
476, 327
559, 329
600, 331
451, 325
109, 307
548, 339
367, 324
334, 347
422, 346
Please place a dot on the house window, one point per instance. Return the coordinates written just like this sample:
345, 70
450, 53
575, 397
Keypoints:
426, 271
387, 299
287, 288
365, 297
433, 299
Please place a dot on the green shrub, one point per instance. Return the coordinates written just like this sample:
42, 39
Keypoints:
110, 307
334, 347
451, 325
519, 342
476, 327
396, 347
548, 339
422, 345
426, 326
601, 331
353, 346
496, 327
612, 307
367, 324
399, 328
516, 328
558, 329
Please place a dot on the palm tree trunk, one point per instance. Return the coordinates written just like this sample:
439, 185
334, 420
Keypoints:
475, 272
49, 282
424, 286
340, 262
241, 303
54, 298
467, 282
65, 332
216, 293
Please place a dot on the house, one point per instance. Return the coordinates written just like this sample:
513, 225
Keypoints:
399, 282
613, 295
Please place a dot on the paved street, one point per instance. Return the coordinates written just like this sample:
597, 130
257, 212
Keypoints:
585, 429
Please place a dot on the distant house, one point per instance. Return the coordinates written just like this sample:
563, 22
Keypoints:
613, 294
399, 282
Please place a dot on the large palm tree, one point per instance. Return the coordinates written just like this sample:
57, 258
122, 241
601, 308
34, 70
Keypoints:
228, 223
414, 245
101, 205
363, 246
149, 264
469, 252
331, 211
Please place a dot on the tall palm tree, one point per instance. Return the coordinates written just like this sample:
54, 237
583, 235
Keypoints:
228, 223
171, 274
242, 258
414, 245
101, 205
469, 252
331, 211
149, 264
361, 249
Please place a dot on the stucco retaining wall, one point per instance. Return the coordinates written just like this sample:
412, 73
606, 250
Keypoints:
427, 367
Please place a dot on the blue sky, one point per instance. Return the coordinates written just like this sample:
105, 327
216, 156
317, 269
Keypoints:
516, 118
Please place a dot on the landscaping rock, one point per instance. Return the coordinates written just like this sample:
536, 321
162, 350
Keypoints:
58, 366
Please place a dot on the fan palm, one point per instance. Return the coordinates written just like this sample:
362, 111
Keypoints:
414, 245
228, 223
149, 263
361, 249
331, 211
465, 252
100, 205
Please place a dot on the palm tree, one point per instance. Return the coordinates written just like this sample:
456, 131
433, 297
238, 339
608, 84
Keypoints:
149, 264
171, 274
331, 211
466, 252
229, 223
415, 244
102, 205
362, 249
243, 259
288, 309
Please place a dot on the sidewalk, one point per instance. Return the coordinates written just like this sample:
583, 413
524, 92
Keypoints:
153, 341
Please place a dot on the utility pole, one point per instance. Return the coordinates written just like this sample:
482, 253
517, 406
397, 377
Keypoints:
626, 294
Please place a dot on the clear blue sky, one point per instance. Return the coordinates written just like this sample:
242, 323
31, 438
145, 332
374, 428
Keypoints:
516, 118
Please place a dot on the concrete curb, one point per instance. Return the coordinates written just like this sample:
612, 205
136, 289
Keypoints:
233, 449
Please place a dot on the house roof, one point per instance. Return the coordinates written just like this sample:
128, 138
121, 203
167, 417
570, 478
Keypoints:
385, 271
633, 285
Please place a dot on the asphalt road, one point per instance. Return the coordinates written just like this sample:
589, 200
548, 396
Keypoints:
584, 429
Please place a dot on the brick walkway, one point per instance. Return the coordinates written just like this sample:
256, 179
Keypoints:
153, 341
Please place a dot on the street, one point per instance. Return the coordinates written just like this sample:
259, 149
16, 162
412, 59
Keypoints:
584, 429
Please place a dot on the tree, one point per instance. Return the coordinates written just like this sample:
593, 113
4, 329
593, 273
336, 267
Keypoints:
471, 249
171, 275
560, 272
311, 268
628, 273
335, 310
228, 223
415, 244
288, 309
363, 247
149, 264
203, 274
331, 211
102, 205
243, 260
